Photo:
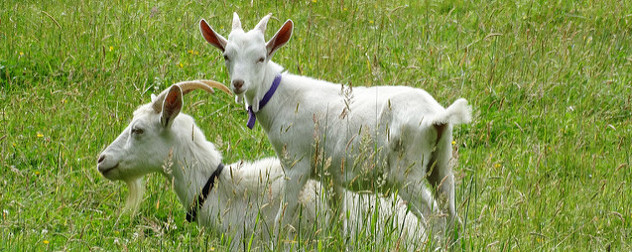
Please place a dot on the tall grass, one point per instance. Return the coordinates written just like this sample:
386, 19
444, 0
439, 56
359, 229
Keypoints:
545, 165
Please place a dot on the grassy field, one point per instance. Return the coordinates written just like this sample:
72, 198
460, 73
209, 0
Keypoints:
545, 165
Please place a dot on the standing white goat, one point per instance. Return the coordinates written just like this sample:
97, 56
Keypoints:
244, 199
368, 137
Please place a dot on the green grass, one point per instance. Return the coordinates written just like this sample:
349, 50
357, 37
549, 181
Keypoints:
545, 165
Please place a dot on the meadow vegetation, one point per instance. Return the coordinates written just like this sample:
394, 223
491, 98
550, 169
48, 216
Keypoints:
545, 165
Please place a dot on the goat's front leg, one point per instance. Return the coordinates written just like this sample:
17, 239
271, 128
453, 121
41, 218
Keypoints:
296, 176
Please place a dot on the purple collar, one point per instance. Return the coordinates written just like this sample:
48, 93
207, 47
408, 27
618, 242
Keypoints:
252, 118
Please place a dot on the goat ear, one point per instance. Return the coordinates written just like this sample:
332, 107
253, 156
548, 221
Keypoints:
263, 23
280, 38
211, 36
236, 22
171, 106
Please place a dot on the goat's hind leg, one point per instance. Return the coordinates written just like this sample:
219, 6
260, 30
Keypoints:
407, 160
408, 175
440, 174
423, 204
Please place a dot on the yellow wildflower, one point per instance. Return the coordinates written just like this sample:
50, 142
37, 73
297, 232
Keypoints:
111, 48
370, 21
37, 173
180, 65
46, 242
39, 135
21, 53
453, 142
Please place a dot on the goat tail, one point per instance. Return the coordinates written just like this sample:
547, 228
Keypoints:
457, 113
136, 189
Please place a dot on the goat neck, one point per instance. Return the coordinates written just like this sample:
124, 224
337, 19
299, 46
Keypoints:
192, 165
254, 95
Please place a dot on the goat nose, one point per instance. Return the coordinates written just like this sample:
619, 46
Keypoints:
101, 158
238, 84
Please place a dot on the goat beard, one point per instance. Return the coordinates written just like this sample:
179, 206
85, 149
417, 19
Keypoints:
136, 189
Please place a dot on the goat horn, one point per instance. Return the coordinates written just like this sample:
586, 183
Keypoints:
236, 22
187, 87
215, 84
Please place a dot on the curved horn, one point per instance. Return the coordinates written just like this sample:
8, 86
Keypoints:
215, 84
187, 87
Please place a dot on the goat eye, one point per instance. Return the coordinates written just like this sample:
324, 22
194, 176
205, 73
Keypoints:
261, 60
137, 131
226, 57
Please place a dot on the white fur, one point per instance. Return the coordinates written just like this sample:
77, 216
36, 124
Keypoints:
364, 133
245, 195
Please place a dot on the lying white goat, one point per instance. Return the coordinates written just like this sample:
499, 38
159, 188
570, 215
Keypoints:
243, 198
392, 136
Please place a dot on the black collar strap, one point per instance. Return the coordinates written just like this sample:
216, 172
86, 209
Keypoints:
192, 213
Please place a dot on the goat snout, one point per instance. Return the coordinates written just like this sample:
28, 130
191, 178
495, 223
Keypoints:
103, 164
237, 85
